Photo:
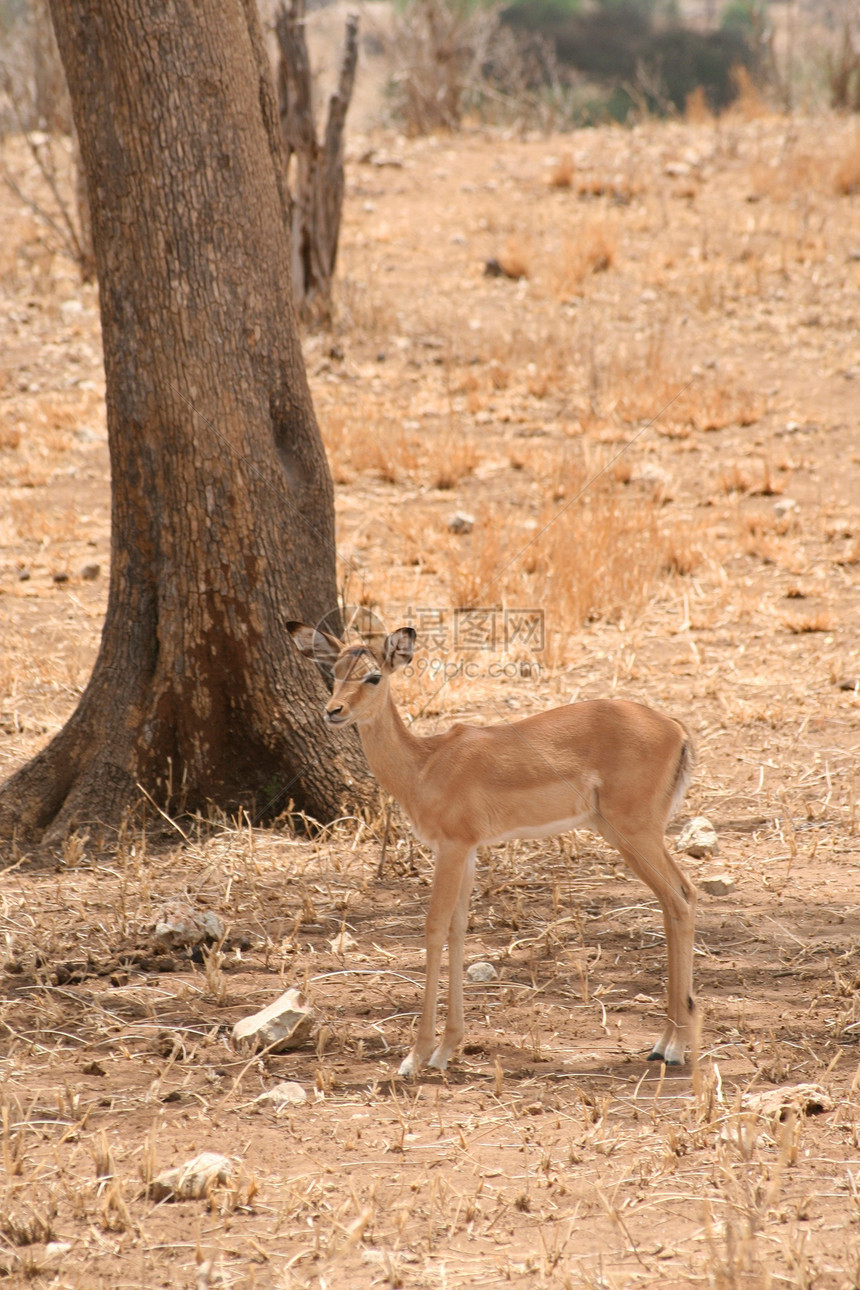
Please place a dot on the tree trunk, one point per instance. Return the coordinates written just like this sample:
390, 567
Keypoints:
222, 502
317, 178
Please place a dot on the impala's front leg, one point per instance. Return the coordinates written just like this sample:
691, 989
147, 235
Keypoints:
455, 1026
448, 882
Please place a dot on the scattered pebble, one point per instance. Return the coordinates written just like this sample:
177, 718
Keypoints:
192, 1180
284, 1094
178, 924
784, 506
286, 1023
343, 943
56, 1250
698, 838
461, 522
717, 884
481, 972
60, 576
71, 309
90, 572
806, 1099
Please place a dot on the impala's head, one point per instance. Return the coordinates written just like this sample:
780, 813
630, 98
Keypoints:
360, 674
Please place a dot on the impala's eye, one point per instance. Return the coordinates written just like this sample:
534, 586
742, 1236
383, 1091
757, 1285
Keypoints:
372, 678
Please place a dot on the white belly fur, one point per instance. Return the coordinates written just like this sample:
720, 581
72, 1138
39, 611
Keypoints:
542, 830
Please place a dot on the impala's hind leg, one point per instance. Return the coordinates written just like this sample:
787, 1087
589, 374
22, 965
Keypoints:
646, 855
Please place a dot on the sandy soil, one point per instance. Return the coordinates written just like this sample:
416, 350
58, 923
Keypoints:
655, 430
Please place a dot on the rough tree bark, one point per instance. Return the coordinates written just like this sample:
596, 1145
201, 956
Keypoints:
222, 504
316, 178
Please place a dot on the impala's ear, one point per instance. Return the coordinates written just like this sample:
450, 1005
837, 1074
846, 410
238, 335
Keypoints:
398, 649
314, 644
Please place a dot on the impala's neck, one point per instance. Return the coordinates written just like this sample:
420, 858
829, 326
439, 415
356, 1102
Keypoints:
395, 756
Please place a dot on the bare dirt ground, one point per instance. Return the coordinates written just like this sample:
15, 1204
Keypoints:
654, 428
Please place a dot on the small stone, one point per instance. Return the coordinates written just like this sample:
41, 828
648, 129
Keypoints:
284, 1094
806, 1099
343, 943
71, 309
24, 575
698, 838
462, 522
717, 884
90, 572
286, 1023
56, 1250
655, 477
784, 506
180, 925
481, 972
60, 576
192, 1180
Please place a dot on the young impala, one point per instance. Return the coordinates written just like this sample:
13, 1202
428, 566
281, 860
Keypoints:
609, 765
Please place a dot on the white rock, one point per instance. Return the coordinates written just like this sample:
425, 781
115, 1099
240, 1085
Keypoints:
284, 1094
806, 1099
462, 522
179, 924
343, 943
71, 309
286, 1023
481, 972
193, 1179
698, 838
717, 884
784, 506
654, 476
56, 1249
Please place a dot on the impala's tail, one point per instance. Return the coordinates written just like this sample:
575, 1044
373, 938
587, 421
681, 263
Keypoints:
684, 773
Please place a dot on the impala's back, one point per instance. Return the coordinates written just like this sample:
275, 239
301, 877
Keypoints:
606, 759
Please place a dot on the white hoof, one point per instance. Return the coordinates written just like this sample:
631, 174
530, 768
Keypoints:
669, 1049
408, 1067
439, 1059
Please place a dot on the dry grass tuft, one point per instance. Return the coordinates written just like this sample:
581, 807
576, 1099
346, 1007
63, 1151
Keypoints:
749, 104
696, 110
648, 385
815, 622
515, 260
592, 250
454, 457
595, 559
846, 180
561, 175
23, 1224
